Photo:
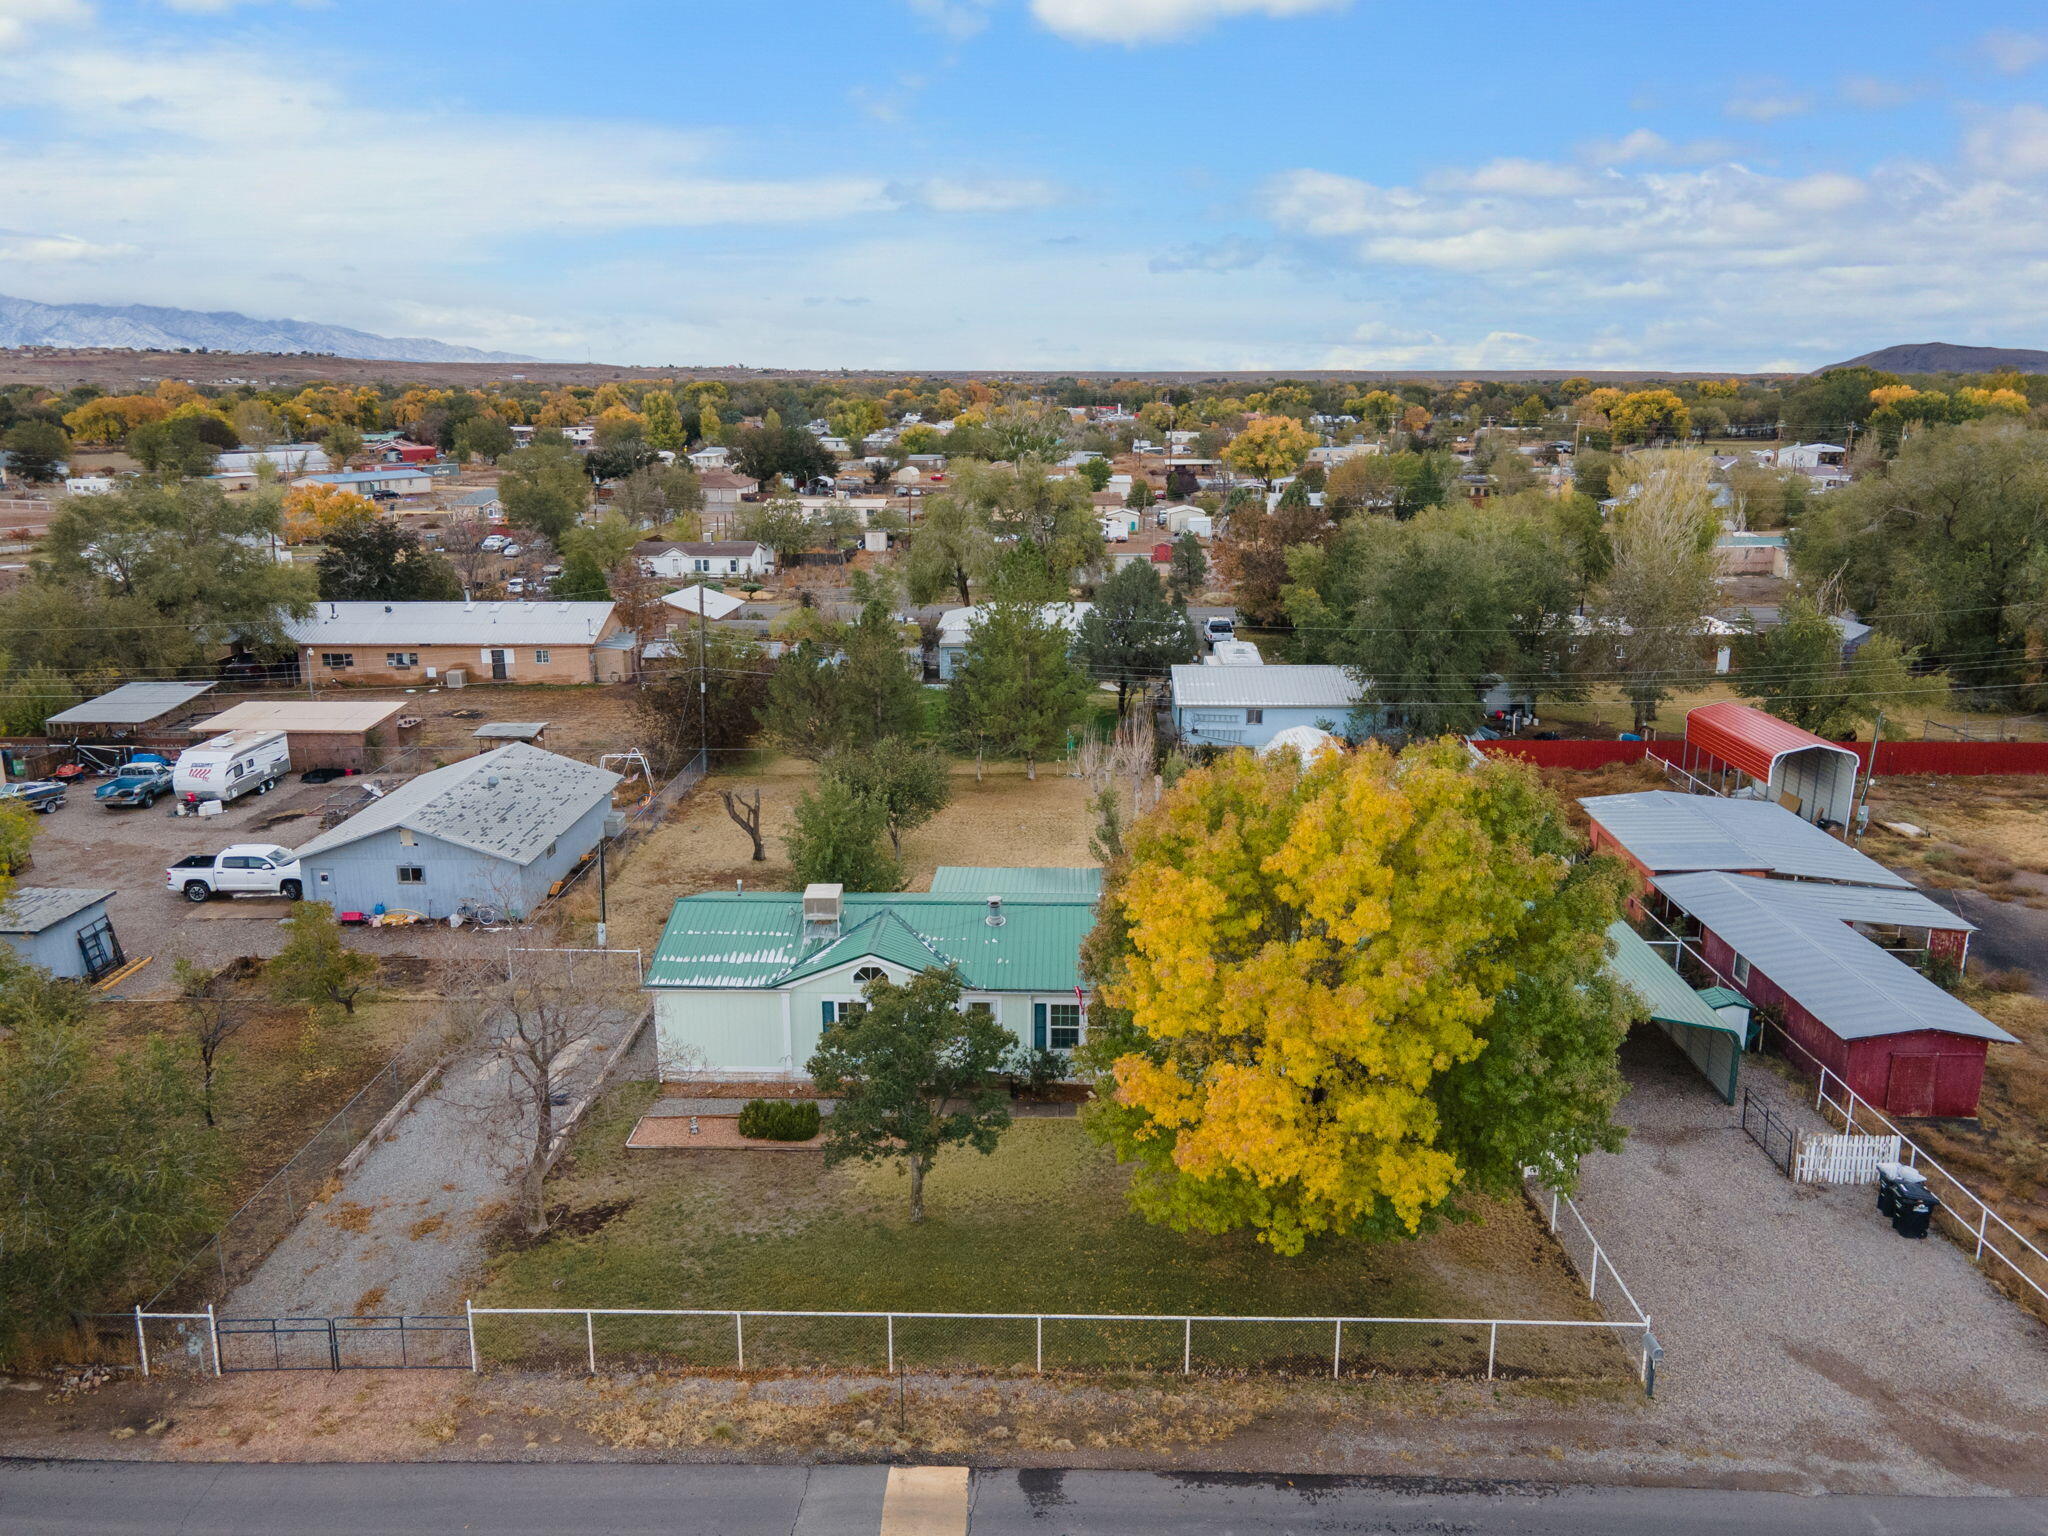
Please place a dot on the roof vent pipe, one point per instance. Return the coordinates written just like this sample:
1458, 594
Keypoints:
995, 912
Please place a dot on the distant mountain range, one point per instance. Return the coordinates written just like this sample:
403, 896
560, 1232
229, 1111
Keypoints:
147, 328
1946, 357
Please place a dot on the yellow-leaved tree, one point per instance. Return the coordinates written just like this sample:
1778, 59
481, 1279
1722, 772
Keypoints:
1270, 447
1342, 999
311, 512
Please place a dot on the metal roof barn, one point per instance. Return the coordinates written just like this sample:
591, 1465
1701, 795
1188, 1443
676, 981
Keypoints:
1665, 830
1817, 775
132, 704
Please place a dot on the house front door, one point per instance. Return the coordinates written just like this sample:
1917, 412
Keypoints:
500, 666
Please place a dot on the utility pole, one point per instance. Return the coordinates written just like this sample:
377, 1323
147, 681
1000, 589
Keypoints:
1870, 773
703, 705
601, 944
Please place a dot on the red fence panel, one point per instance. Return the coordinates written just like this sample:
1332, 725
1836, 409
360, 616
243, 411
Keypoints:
1893, 757
1568, 754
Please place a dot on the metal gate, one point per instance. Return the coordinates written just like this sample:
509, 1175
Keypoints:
343, 1343
1770, 1130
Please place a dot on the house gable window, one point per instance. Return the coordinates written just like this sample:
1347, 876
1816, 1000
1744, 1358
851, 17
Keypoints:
1255, 717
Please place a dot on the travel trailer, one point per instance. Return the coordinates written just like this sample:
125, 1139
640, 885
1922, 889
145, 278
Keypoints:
228, 767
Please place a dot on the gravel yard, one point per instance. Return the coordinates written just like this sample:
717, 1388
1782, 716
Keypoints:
1795, 1319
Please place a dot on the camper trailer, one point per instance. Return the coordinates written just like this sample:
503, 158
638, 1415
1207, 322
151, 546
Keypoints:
228, 767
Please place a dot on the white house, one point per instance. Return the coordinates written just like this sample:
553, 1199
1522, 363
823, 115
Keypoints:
712, 457
285, 458
88, 485
390, 479
731, 557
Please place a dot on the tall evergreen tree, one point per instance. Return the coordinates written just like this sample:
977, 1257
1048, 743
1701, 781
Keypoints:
1015, 687
1134, 632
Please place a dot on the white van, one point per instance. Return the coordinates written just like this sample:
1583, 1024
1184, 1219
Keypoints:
228, 767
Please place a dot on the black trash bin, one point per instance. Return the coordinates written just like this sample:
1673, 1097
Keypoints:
1903, 1195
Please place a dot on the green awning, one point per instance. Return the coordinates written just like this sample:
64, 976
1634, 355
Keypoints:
1632, 961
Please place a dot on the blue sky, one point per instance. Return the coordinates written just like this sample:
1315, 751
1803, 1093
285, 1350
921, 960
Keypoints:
892, 184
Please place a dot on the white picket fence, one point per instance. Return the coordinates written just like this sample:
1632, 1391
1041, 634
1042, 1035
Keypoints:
1843, 1159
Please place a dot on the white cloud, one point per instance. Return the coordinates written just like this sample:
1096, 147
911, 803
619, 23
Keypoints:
1767, 106
958, 19
2012, 53
24, 246
1647, 144
1873, 94
946, 195
1152, 21
18, 16
1516, 177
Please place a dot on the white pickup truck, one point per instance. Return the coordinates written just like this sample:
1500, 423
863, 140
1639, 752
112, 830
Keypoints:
247, 869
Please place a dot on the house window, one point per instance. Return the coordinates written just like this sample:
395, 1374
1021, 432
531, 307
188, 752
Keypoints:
868, 973
541, 658
411, 874
401, 658
1741, 971
551, 851
700, 565
1062, 1026
1255, 717
334, 661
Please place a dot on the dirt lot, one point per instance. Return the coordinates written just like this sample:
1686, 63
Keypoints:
1006, 819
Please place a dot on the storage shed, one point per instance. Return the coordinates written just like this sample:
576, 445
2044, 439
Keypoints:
127, 716
66, 932
1847, 1003
352, 734
1731, 745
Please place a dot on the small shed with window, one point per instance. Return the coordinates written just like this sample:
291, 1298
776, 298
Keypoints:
746, 983
66, 932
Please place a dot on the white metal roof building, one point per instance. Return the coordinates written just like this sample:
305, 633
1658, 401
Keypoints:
1663, 830
132, 704
1265, 687
484, 624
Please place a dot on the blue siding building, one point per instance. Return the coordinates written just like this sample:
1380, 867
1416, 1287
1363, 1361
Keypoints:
1247, 706
66, 932
498, 829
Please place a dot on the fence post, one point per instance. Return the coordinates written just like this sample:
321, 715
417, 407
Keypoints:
1593, 1288
739, 1339
1187, 1346
1492, 1343
1553, 1212
1337, 1353
892, 1343
290, 1207
213, 1333
1041, 1343
469, 1319
141, 1340
590, 1339
1983, 1220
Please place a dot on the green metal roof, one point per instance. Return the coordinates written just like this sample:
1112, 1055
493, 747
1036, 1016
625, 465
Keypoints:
1724, 997
756, 940
979, 880
1630, 960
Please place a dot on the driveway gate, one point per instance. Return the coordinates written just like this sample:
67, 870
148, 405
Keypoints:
343, 1343
1770, 1130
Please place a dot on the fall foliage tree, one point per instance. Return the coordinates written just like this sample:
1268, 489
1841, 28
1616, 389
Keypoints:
1251, 557
311, 512
1270, 448
1648, 414
1348, 998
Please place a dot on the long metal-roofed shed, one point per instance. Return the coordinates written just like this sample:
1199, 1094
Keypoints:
353, 734
499, 829
1712, 1040
1664, 831
495, 733
1805, 773
1900, 1041
133, 709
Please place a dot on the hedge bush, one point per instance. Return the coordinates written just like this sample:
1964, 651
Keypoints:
779, 1119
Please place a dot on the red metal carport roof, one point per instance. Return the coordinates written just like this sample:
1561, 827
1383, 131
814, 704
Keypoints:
1747, 738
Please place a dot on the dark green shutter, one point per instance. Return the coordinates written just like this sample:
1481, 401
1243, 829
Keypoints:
1038, 1026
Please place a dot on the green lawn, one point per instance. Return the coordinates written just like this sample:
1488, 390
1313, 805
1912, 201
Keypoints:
1039, 1226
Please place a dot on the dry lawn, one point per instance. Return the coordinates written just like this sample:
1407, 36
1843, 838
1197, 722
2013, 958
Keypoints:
1987, 833
1607, 714
1005, 819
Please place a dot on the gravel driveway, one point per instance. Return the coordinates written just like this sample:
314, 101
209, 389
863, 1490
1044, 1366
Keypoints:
1795, 1315
406, 1231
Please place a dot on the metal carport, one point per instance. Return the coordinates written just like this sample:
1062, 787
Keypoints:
1816, 776
1712, 1043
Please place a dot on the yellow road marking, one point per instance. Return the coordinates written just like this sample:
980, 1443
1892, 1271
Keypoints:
925, 1501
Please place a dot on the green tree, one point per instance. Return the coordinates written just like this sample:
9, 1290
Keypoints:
879, 684
581, 580
913, 1074
1015, 687
1797, 672
483, 437
1094, 473
779, 524
951, 549
316, 966
668, 496
1140, 495
910, 783
664, 422
107, 1170
1049, 525
544, 488
1134, 632
172, 448
1354, 997
763, 453
1252, 554
1661, 588
835, 838
670, 713
35, 448
370, 559
605, 541
1188, 572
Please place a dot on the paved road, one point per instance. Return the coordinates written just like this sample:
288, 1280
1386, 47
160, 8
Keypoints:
118, 1498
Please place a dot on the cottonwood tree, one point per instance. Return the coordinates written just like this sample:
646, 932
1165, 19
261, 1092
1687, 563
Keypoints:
544, 488
1348, 998
1270, 448
1252, 555
1015, 687
913, 1074
1048, 527
1133, 632
952, 549
1661, 587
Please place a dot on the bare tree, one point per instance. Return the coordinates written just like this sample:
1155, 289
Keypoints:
462, 541
746, 814
215, 1019
545, 1024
